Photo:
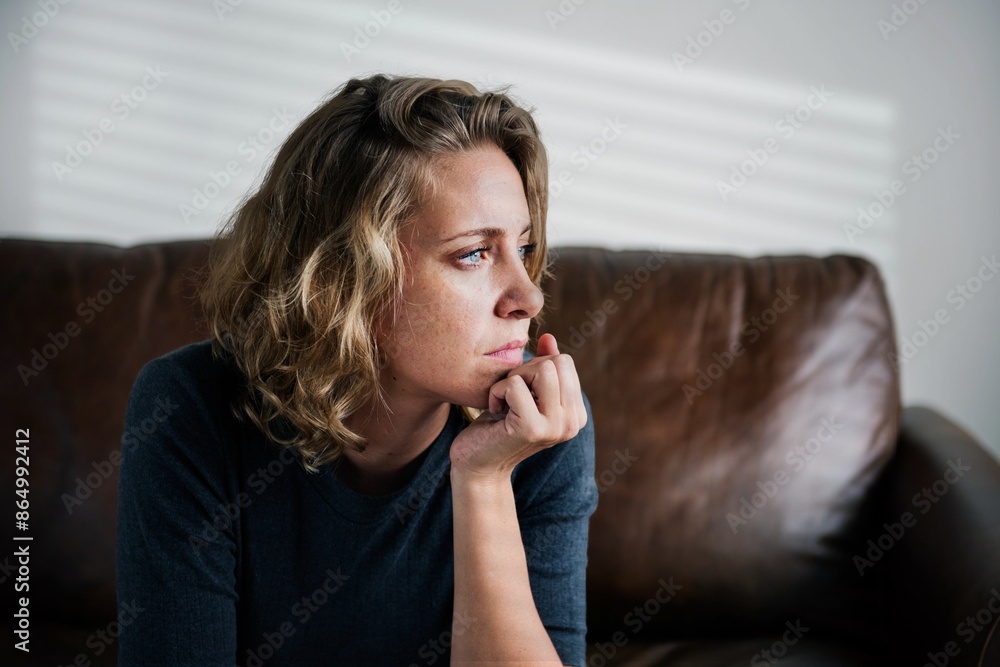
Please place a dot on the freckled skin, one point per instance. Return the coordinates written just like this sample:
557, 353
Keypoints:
456, 310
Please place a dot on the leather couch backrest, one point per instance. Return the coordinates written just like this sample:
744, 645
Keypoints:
687, 425
80, 320
743, 409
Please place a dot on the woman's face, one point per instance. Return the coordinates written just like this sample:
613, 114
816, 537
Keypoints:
467, 292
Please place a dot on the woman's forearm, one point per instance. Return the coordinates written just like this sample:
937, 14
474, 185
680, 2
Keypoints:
495, 619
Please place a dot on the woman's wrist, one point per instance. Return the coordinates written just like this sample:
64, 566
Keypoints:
480, 481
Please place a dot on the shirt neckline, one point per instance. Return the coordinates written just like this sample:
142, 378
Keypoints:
360, 508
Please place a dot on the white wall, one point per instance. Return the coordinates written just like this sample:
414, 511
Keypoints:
676, 130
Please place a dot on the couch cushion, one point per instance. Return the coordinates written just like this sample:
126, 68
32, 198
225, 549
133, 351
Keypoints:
743, 408
79, 321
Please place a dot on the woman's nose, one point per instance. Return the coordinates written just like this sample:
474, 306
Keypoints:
520, 297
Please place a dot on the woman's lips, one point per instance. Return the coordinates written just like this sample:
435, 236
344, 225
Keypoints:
513, 356
512, 352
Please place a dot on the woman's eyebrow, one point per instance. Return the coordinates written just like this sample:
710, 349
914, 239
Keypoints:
489, 232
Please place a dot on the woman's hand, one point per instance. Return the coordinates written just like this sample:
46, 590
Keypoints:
538, 404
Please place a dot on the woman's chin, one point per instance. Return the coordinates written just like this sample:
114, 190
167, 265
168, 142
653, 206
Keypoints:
474, 395
482, 403
479, 400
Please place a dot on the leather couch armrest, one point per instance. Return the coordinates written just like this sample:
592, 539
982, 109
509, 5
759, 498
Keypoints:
942, 538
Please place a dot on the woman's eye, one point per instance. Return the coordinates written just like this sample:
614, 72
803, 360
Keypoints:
477, 254
473, 257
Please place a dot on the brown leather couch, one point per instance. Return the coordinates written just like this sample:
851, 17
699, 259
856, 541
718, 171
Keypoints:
764, 497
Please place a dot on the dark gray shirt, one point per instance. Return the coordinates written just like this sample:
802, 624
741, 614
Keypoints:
229, 552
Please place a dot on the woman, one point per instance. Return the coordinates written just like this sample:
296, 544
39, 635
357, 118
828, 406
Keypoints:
366, 467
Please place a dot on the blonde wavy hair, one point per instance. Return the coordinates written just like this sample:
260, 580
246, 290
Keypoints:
301, 272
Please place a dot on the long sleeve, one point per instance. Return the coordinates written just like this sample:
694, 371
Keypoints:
177, 554
556, 496
207, 579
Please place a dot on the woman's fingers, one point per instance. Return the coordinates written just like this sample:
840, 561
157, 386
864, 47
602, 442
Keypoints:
541, 377
538, 404
569, 381
570, 390
523, 418
558, 399
547, 345
511, 393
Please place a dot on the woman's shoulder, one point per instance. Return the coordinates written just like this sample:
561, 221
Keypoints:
193, 356
180, 419
194, 380
196, 365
